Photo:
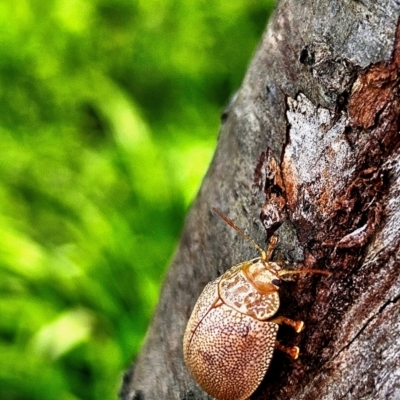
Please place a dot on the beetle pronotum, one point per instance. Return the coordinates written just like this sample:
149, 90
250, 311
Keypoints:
231, 335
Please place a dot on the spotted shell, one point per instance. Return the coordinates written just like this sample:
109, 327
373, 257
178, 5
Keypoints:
229, 342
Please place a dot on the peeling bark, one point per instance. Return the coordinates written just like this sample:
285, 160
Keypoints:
311, 140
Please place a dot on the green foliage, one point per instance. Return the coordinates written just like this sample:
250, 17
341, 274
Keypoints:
109, 116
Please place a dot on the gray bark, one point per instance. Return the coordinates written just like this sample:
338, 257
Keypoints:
313, 136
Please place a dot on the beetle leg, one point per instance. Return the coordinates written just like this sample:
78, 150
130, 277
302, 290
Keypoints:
298, 326
292, 351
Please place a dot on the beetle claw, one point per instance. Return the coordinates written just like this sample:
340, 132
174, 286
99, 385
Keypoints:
299, 326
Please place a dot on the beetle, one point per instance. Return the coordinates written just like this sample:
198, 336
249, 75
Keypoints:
231, 334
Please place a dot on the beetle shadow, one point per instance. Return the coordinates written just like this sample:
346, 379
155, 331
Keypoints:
275, 378
282, 371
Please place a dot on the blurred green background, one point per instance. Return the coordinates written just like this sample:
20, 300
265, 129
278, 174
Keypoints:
109, 117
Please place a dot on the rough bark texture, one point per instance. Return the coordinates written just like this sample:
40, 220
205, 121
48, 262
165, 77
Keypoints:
313, 136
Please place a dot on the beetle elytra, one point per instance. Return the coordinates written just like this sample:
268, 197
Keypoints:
231, 335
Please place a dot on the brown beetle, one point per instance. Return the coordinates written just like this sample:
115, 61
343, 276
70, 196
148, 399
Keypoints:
231, 335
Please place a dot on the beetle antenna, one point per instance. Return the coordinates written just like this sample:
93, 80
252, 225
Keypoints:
264, 256
304, 271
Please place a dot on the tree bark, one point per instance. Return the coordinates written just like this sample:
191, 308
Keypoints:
311, 139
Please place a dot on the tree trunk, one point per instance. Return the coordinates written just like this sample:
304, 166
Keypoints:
311, 139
